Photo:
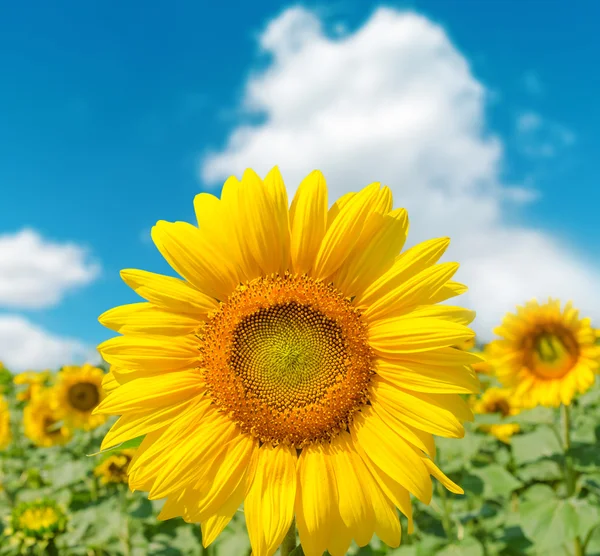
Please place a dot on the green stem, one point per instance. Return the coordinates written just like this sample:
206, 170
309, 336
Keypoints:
569, 471
289, 541
446, 522
125, 510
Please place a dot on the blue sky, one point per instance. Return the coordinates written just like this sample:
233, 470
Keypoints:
109, 108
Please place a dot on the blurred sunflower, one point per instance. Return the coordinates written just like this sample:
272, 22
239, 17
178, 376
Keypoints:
498, 400
484, 366
114, 468
34, 381
5, 433
78, 392
37, 523
41, 423
301, 368
545, 354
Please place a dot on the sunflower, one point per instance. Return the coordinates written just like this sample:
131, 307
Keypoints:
5, 433
42, 424
34, 381
37, 523
301, 367
545, 354
78, 392
114, 468
498, 400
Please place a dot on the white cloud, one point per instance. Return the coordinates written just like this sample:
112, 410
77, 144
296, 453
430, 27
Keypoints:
539, 137
24, 345
36, 272
396, 102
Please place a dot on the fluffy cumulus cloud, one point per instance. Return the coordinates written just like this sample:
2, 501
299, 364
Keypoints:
395, 101
24, 345
36, 272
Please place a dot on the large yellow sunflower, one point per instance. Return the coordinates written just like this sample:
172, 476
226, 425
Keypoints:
42, 424
78, 392
5, 433
545, 354
301, 368
502, 401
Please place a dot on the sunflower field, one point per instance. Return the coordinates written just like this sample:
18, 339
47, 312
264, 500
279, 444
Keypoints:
304, 390
529, 487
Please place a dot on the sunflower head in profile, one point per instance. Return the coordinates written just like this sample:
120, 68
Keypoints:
545, 354
41, 423
114, 468
502, 402
301, 367
77, 392
5, 432
37, 523
31, 383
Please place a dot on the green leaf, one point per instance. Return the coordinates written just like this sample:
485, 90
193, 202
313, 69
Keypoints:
455, 454
466, 547
133, 443
536, 416
553, 522
544, 470
498, 482
535, 445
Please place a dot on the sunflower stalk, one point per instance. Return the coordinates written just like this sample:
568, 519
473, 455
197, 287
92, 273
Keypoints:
569, 470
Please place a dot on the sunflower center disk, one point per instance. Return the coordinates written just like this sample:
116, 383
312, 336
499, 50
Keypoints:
553, 354
288, 359
84, 396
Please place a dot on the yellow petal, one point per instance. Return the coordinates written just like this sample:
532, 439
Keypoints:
132, 426
170, 293
150, 353
308, 217
337, 206
353, 504
391, 488
416, 290
146, 318
418, 438
402, 335
196, 258
344, 232
427, 412
261, 224
459, 315
224, 476
278, 194
451, 289
391, 453
409, 263
421, 377
109, 382
186, 460
157, 391
441, 477
315, 496
373, 254
269, 506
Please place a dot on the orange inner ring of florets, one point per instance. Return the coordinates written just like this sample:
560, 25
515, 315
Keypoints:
550, 351
287, 357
